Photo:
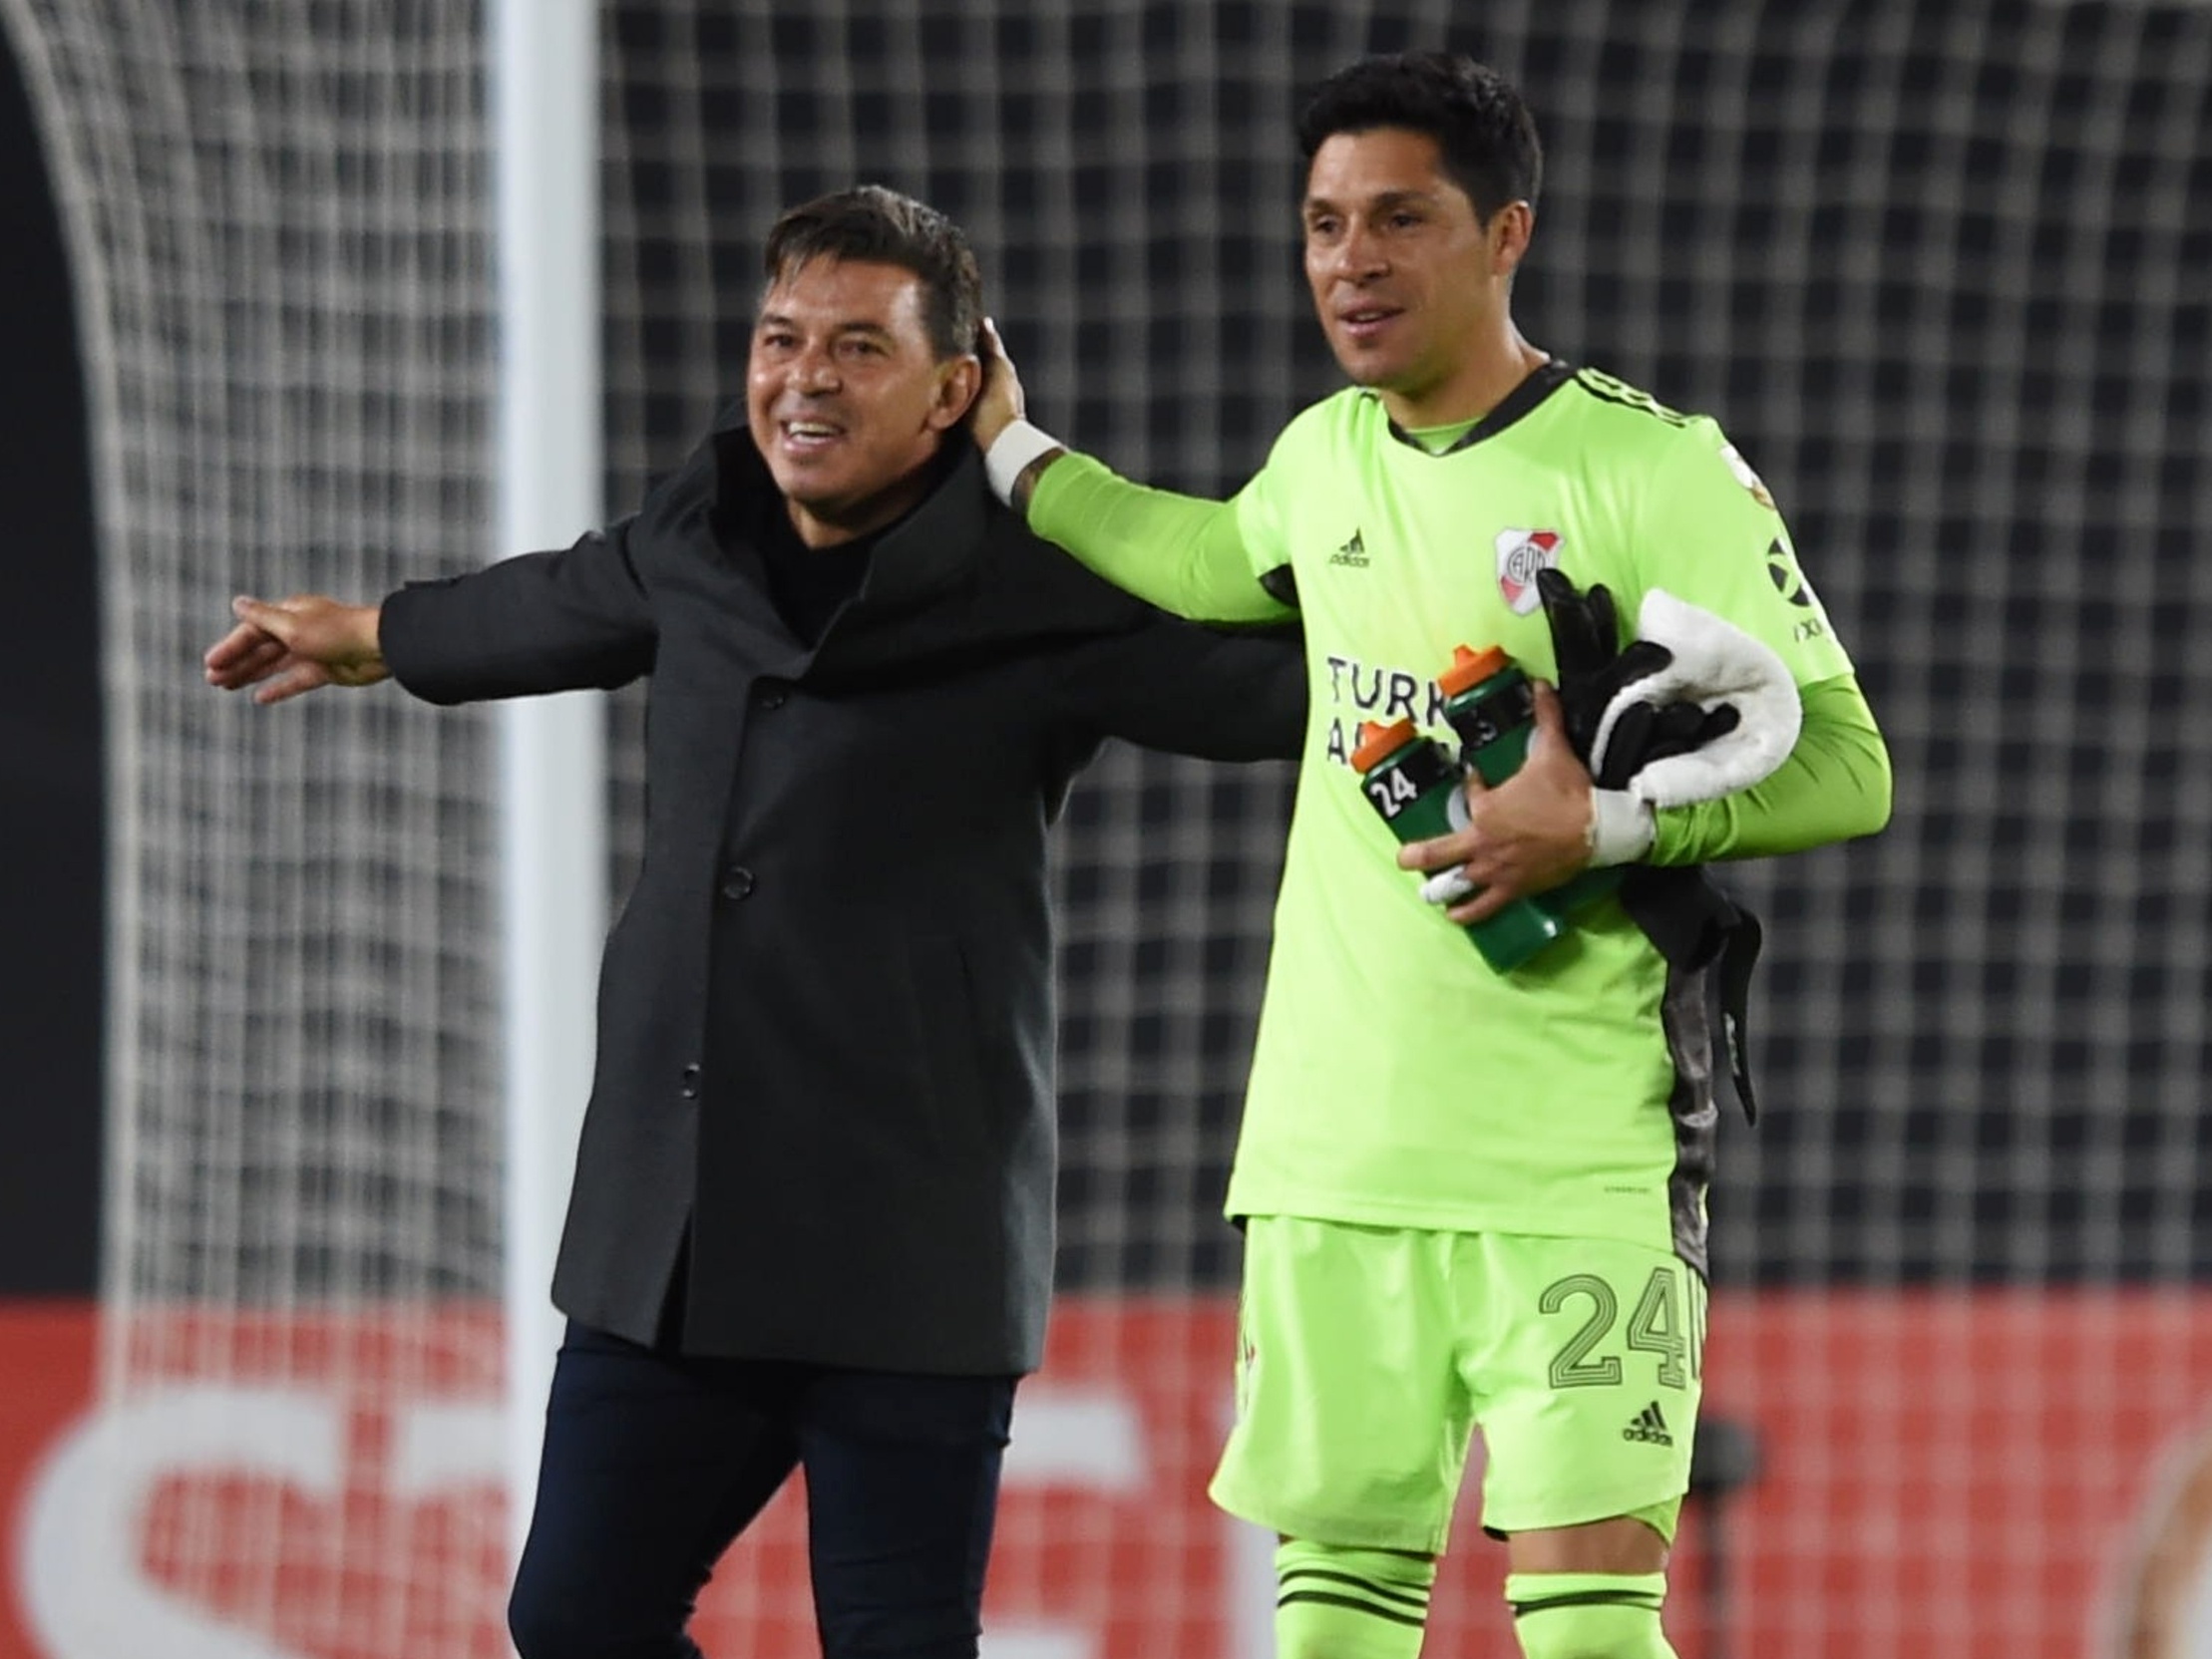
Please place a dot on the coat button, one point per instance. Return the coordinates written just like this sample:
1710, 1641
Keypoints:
691, 1081
771, 694
737, 883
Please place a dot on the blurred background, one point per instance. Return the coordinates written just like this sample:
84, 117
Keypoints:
1939, 267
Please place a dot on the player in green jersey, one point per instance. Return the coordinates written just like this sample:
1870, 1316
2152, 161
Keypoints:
1473, 1200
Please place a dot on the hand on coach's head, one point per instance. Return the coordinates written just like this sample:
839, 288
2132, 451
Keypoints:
1002, 402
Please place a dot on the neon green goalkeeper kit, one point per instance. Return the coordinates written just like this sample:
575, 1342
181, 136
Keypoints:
1398, 1081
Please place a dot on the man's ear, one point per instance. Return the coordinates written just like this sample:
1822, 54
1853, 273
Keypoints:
1509, 230
960, 382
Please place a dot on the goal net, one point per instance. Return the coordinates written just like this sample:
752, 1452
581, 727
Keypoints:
277, 221
1932, 265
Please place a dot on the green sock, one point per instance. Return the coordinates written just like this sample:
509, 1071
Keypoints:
1337, 1603
1589, 1615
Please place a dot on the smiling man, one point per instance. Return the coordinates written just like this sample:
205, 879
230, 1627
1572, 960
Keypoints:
1485, 1209
812, 1221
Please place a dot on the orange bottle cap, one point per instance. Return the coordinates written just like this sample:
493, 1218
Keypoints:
1378, 743
1471, 667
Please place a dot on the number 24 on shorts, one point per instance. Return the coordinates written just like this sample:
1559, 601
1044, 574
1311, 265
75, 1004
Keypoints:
1661, 1324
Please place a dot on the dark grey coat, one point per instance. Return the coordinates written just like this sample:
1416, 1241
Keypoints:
826, 1016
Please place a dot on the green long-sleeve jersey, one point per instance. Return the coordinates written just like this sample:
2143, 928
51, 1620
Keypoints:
1397, 1079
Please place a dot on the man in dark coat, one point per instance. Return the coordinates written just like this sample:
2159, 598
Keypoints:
812, 1220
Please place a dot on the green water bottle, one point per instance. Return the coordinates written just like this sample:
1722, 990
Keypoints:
1491, 706
1413, 782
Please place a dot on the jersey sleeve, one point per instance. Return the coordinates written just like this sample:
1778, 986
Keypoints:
1262, 531
1182, 554
1709, 532
1834, 784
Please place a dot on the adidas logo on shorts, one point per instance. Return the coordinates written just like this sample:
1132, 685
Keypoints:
1649, 1426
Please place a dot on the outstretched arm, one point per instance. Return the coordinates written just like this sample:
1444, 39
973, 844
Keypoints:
536, 623
288, 647
540, 622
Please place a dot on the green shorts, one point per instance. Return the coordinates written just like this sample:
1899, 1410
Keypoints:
1367, 1357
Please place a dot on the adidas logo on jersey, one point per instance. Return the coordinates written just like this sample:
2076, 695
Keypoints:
1649, 1426
1353, 552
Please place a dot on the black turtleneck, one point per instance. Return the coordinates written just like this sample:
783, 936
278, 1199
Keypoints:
807, 585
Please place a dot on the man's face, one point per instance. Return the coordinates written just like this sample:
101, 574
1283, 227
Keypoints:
847, 399
1408, 283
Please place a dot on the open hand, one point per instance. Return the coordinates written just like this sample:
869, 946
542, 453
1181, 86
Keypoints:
288, 647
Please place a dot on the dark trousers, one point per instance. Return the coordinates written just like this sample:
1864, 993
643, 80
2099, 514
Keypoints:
655, 1462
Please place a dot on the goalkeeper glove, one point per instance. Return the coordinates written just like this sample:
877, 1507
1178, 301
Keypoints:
1586, 645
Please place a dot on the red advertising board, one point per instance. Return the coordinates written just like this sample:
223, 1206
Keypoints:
1987, 1476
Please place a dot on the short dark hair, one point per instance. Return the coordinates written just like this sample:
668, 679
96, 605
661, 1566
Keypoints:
1484, 133
880, 227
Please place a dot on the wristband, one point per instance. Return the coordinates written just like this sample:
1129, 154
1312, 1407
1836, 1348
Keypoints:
1622, 828
1010, 453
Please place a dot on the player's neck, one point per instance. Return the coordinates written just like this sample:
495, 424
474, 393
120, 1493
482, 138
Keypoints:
1483, 380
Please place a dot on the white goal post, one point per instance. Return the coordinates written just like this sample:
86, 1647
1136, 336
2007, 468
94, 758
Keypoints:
552, 768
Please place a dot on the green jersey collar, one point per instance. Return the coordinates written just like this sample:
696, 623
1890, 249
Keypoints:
1542, 381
